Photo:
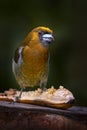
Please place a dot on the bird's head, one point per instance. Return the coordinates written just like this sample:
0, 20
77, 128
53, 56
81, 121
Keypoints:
42, 34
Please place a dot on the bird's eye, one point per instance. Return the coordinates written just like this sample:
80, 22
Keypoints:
40, 32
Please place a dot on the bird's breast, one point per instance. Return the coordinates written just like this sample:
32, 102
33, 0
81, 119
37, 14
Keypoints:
35, 63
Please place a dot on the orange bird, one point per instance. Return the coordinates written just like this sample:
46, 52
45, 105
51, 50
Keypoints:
31, 59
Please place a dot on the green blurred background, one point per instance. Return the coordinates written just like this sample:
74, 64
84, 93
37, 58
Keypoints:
68, 60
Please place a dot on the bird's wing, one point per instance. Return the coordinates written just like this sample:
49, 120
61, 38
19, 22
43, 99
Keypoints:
18, 55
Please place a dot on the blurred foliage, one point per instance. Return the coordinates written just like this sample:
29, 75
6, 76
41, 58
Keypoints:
68, 60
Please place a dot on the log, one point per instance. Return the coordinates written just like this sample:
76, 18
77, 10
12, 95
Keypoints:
20, 116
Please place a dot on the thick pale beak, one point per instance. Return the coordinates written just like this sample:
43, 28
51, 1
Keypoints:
48, 38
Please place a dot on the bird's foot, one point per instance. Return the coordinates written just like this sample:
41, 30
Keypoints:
43, 88
16, 98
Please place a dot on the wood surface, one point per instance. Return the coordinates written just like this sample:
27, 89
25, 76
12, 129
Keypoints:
21, 116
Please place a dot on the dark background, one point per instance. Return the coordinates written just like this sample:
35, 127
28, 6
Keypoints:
68, 62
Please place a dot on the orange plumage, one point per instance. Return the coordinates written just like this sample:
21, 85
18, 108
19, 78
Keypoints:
31, 59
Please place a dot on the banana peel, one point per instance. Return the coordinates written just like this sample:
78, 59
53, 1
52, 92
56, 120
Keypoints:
58, 98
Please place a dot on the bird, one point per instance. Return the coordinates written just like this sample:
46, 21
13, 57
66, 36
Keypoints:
30, 63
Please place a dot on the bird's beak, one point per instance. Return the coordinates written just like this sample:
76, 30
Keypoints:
48, 37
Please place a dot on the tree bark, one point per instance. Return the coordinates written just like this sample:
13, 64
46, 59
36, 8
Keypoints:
21, 116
